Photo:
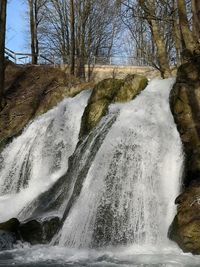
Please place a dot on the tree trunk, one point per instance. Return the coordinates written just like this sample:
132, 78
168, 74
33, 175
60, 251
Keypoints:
2, 48
176, 34
81, 62
32, 31
72, 28
149, 10
185, 28
161, 51
196, 19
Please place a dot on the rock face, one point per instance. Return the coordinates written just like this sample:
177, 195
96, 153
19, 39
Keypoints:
109, 91
185, 106
185, 229
32, 231
31, 91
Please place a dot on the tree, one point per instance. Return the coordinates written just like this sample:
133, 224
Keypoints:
35, 18
3, 5
72, 30
187, 37
157, 35
78, 30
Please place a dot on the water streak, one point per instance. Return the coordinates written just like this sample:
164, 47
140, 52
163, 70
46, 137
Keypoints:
39, 156
128, 194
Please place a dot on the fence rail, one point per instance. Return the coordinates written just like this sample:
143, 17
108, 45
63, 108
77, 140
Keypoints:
26, 58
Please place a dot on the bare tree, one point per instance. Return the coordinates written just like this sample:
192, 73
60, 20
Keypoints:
157, 35
72, 30
35, 18
3, 5
77, 31
187, 37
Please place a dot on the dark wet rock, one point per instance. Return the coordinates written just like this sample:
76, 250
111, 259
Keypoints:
39, 232
9, 233
11, 225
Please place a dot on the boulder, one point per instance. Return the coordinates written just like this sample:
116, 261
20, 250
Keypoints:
106, 92
9, 233
11, 225
39, 232
185, 228
133, 85
102, 95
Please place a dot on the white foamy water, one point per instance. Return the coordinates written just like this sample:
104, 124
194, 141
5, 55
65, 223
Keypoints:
39, 156
131, 256
129, 192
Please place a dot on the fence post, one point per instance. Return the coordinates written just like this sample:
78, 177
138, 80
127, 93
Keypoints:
39, 59
110, 60
54, 64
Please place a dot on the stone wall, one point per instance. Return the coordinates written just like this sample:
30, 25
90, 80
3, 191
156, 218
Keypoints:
101, 72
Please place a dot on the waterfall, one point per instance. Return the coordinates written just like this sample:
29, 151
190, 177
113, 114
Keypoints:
120, 182
127, 195
32, 162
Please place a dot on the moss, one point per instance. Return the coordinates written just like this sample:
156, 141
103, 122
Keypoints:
102, 95
132, 86
107, 92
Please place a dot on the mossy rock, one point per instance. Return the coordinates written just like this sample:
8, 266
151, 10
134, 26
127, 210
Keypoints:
102, 95
132, 86
185, 228
106, 92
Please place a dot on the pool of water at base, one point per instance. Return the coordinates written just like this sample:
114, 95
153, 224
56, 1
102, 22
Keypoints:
44, 256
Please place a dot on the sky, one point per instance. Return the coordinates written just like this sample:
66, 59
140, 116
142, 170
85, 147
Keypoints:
16, 26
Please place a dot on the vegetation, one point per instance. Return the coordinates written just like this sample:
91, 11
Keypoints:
164, 32
161, 33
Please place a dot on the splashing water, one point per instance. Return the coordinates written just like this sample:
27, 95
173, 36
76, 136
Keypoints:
128, 193
121, 183
37, 158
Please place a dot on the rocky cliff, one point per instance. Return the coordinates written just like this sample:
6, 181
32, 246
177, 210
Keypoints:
185, 105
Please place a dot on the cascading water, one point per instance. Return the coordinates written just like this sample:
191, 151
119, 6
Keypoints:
39, 156
128, 193
119, 188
